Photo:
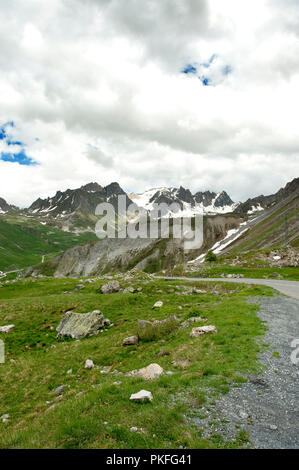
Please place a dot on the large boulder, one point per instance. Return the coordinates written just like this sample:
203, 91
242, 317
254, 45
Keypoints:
110, 287
81, 325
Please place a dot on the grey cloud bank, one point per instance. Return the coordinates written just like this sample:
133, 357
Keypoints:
99, 84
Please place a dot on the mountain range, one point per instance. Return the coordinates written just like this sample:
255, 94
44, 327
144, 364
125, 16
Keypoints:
75, 208
63, 222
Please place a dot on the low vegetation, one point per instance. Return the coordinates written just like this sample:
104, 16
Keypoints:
94, 410
25, 242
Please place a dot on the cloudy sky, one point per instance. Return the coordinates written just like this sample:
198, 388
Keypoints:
199, 93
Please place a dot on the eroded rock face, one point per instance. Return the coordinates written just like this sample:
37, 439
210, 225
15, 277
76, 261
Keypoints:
110, 287
81, 325
153, 371
202, 330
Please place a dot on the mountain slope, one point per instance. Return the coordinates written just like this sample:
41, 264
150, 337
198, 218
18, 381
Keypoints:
5, 207
75, 208
276, 226
264, 202
24, 242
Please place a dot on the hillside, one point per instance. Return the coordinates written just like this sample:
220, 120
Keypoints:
24, 242
53, 401
277, 226
150, 255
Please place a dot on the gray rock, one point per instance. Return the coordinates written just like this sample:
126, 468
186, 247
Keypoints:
158, 304
202, 330
189, 322
81, 325
130, 341
110, 287
89, 364
78, 287
6, 328
128, 290
133, 429
143, 396
59, 389
153, 371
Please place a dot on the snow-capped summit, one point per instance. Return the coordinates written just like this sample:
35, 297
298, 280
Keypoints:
189, 204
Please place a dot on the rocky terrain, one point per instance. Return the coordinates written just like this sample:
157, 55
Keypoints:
265, 202
5, 207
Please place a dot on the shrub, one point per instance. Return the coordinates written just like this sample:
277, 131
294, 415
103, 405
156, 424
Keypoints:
211, 257
157, 330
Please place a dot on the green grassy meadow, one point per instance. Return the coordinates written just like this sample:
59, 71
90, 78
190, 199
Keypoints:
23, 242
101, 415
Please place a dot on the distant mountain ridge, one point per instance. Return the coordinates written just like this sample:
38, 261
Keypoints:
207, 202
265, 202
74, 209
5, 207
84, 199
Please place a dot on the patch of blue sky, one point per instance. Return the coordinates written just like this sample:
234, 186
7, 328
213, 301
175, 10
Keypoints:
190, 69
18, 156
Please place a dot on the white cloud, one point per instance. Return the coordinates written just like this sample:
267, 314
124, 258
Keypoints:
98, 83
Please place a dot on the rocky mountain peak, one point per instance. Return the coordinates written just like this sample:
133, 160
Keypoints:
5, 207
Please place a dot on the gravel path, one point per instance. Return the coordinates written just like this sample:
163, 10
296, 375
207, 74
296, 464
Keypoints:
267, 406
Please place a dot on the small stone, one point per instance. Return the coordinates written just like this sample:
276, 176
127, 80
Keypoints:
201, 330
69, 371
59, 389
158, 304
6, 328
243, 415
51, 407
133, 429
273, 427
142, 396
79, 287
130, 341
117, 383
89, 364
79, 394
111, 287
5, 417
